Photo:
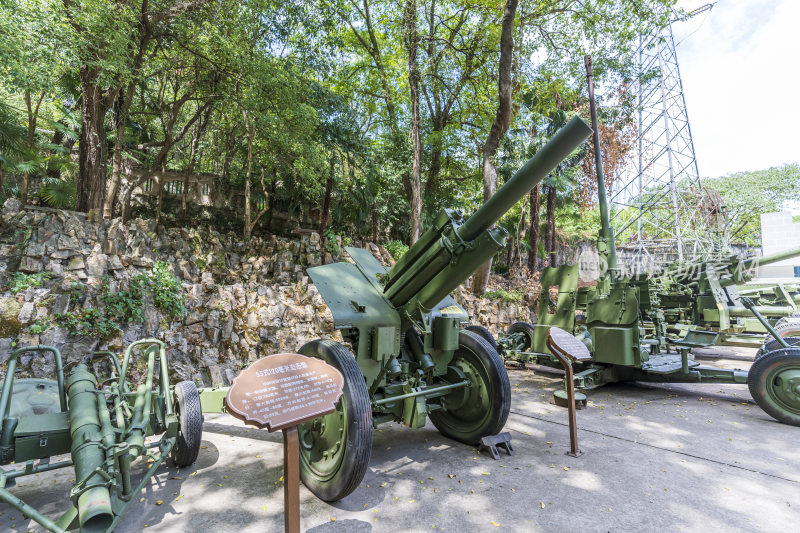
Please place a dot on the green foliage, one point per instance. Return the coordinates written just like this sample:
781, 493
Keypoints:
168, 295
86, 322
332, 244
22, 282
504, 295
119, 305
123, 305
396, 248
76, 289
575, 224
748, 195
59, 194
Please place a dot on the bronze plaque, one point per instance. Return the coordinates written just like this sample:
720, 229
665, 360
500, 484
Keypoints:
568, 344
284, 390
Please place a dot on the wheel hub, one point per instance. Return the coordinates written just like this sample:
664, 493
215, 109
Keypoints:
785, 388
321, 443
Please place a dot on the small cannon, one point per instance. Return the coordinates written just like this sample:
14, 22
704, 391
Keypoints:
411, 358
102, 424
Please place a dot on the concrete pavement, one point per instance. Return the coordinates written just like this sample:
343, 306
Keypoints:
657, 457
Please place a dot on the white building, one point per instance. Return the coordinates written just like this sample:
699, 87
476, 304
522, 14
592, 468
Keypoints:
779, 233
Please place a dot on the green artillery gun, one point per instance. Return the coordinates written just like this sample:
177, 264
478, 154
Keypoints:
411, 359
103, 425
611, 320
703, 294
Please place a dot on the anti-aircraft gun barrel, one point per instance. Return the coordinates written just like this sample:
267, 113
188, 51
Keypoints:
756, 261
427, 272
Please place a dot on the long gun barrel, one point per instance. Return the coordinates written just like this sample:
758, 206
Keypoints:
448, 253
93, 497
606, 244
753, 262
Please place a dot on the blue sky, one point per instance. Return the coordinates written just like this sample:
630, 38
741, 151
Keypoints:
740, 67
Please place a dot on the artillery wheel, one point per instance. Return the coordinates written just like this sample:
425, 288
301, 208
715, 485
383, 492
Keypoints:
190, 428
481, 408
335, 448
522, 327
786, 329
484, 333
773, 344
774, 383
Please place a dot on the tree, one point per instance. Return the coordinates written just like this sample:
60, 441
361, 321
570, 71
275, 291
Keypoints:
499, 127
109, 39
747, 195
412, 44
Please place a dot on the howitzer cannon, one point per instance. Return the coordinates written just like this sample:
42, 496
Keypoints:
412, 359
612, 318
103, 425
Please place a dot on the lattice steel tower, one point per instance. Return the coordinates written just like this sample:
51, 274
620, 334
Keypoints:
659, 211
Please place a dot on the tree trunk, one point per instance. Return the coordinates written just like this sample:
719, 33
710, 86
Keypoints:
92, 144
550, 227
116, 160
250, 133
436, 157
375, 227
161, 183
534, 230
502, 120
412, 44
189, 171
33, 114
326, 201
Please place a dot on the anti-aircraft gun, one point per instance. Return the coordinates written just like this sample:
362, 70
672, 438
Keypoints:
410, 357
610, 319
703, 294
103, 425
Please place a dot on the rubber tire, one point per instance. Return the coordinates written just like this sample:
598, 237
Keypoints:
484, 333
358, 418
786, 329
522, 327
190, 417
473, 346
773, 344
756, 382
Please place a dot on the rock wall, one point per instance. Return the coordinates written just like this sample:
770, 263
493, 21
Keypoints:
238, 293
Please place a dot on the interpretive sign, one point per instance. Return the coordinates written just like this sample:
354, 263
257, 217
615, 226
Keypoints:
283, 390
280, 392
568, 344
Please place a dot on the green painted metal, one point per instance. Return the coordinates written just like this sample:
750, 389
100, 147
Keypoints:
629, 324
402, 322
406, 329
605, 242
102, 426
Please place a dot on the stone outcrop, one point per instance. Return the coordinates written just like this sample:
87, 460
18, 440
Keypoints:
243, 298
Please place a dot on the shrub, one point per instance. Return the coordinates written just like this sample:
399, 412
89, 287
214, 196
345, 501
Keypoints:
396, 248
22, 282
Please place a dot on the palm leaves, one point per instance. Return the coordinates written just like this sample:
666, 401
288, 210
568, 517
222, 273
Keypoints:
12, 137
58, 193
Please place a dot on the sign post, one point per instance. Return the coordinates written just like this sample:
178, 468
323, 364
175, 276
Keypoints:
279, 392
